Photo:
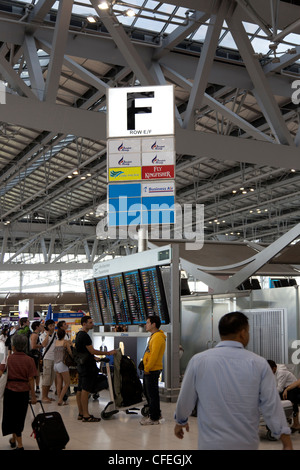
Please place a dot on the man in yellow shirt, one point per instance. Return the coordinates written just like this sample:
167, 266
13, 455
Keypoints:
153, 364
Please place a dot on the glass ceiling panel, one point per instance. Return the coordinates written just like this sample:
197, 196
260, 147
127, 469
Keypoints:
159, 17
228, 41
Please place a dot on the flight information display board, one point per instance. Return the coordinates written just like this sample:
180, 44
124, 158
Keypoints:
154, 293
93, 301
105, 299
119, 297
135, 297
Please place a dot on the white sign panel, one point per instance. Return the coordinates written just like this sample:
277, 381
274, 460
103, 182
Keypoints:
140, 111
158, 189
164, 144
124, 146
160, 158
124, 159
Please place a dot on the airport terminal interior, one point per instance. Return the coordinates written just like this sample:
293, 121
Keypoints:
189, 111
123, 431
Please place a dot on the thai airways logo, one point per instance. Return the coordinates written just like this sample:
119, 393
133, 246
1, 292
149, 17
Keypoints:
124, 162
122, 148
157, 161
115, 174
157, 147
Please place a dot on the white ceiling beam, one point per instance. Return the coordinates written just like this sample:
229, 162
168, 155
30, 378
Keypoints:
103, 49
8, 74
261, 90
205, 62
53, 117
125, 46
46, 267
284, 61
84, 74
289, 29
220, 147
58, 49
40, 10
245, 5
180, 33
218, 107
4, 244
34, 67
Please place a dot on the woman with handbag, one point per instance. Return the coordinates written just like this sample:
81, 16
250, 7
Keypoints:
21, 371
61, 369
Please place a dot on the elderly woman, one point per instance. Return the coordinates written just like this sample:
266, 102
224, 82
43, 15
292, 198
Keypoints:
21, 371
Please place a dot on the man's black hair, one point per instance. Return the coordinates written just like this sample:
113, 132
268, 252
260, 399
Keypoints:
232, 323
272, 364
155, 319
85, 319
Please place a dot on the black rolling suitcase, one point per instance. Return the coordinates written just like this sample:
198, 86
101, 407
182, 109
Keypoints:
49, 430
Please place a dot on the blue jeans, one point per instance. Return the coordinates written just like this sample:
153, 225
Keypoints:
152, 394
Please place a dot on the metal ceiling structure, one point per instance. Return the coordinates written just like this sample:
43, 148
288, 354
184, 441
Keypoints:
235, 69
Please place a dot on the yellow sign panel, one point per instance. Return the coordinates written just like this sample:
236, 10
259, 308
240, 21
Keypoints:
125, 174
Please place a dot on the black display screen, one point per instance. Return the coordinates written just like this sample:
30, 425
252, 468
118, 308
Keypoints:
105, 299
119, 297
93, 301
154, 293
135, 297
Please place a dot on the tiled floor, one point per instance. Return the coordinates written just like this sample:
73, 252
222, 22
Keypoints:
123, 431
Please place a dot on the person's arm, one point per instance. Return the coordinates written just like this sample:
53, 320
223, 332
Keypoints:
97, 352
33, 398
291, 387
45, 341
272, 409
186, 401
34, 342
178, 430
286, 442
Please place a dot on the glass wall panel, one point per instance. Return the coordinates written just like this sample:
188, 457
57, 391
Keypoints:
72, 281
9, 281
40, 281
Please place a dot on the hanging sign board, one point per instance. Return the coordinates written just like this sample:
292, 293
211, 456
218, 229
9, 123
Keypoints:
141, 149
140, 111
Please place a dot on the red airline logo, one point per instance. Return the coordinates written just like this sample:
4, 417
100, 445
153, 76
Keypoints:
157, 172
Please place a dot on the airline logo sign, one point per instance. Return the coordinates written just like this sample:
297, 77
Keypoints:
124, 174
141, 155
162, 144
124, 146
140, 111
163, 158
124, 160
158, 189
157, 172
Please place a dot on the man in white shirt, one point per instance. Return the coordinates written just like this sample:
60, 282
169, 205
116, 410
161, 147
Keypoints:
231, 387
48, 342
285, 378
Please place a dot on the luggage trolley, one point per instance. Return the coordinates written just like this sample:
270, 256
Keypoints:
111, 408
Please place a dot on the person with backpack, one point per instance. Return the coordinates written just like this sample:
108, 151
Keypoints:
24, 329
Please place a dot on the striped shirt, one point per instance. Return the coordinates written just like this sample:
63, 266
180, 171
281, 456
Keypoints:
232, 387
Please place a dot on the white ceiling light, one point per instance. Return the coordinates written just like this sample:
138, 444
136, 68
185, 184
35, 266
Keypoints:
104, 5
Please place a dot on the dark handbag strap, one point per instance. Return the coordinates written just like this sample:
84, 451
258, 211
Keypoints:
49, 345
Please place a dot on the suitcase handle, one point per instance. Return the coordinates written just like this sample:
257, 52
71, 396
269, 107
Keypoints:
38, 401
